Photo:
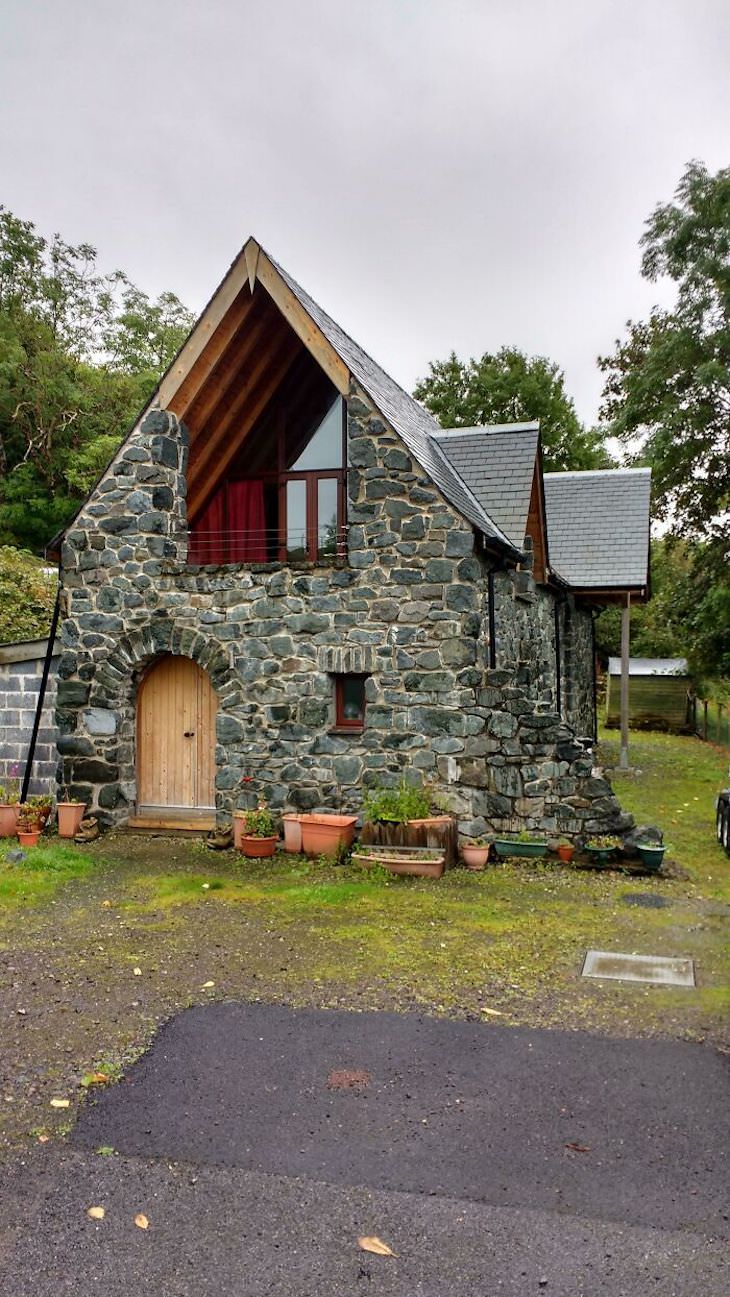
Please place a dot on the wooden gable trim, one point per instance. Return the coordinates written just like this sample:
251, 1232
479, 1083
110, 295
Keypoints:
537, 522
250, 266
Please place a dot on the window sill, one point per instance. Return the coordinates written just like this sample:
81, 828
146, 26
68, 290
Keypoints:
349, 730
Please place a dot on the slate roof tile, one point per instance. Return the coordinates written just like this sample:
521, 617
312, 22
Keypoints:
598, 526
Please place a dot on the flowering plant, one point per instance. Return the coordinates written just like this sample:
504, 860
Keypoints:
10, 792
259, 823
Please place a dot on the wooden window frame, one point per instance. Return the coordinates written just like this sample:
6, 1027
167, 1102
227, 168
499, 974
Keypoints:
342, 722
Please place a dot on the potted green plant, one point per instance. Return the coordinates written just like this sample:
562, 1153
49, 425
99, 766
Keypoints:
602, 848
9, 798
401, 816
254, 832
531, 845
44, 805
565, 851
651, 855
421, 862
29, 826
475, 853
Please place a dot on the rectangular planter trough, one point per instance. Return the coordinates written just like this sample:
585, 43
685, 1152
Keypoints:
506, 847
418, 861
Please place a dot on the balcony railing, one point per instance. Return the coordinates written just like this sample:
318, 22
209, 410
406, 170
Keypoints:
270, 545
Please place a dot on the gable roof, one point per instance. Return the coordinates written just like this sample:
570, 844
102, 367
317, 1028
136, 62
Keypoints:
598, 527
497, 461
650, 667
415, 425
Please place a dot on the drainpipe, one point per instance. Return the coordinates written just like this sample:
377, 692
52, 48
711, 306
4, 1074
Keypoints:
42, 692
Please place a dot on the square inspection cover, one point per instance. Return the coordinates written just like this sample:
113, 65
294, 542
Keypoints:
639, 968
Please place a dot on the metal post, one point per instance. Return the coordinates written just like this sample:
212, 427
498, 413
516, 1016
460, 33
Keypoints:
625, 634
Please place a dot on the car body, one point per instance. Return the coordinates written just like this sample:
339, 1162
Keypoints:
723, 819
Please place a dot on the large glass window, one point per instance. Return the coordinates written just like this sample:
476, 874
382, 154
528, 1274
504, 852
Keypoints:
324, 449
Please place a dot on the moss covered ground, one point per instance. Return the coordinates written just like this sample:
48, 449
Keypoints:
100, 944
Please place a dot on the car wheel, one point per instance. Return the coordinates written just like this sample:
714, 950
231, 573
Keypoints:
726, 830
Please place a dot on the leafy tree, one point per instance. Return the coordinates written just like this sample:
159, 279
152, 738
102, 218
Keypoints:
80, 354
668, 382
27, 596
509, 386
687, 616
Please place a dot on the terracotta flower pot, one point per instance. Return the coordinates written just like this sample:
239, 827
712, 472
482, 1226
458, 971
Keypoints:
565, 853
8, 820
70, 815
474, 857
258, 847
239, 826
29, 838
292, 833
323, 834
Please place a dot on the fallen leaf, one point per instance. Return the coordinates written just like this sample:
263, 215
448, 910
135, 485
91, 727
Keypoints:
578, 1148
141, 1221
60, 1103
43, 1139
96, 1213
493, 1013
137, 972
207, 985
107, 905
373, 1244
94, 1078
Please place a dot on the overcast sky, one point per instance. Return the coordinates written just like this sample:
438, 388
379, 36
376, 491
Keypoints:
437, 173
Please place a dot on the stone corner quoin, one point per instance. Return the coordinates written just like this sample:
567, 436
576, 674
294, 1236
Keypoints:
409, 608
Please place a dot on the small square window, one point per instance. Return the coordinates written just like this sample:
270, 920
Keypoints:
350, 702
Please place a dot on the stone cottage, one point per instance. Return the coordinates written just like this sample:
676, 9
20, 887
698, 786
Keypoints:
291, 580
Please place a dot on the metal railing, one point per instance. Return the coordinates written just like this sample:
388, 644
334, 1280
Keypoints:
265, 545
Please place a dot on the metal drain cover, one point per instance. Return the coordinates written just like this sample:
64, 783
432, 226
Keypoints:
639, 968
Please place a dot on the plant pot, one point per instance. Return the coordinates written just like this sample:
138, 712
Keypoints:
29, 838
565, 853
475, 857
651, 857
402, 860
292, 833
506, 847
601, 855
323, 834
239, 829
8, 820
258, 847
70, 815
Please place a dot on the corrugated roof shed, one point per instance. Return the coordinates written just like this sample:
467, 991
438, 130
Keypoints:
497, 462
598, 527
414, 424
650, 667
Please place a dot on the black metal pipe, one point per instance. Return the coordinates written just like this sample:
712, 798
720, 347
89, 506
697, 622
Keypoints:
593, 674
558, 673
41, 694
492, 621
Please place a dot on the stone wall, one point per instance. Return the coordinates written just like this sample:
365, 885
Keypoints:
408, 608
578, 648
21, 668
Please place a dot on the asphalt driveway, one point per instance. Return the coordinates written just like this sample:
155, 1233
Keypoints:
260, 1141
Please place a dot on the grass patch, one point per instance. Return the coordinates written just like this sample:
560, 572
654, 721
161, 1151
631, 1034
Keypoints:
44, 869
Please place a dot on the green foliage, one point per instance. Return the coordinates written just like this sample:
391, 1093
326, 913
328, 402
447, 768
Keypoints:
259, 823
406, 802
80, 354
668, 382
687, 616
27, 596
509, 386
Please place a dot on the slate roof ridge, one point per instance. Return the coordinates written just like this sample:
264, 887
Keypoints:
593, 472
487, 429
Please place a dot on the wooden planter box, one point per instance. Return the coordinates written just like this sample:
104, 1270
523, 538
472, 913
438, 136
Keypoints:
438, 833
402, 860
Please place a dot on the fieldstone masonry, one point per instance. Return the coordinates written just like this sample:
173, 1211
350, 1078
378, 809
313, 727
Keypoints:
408, 607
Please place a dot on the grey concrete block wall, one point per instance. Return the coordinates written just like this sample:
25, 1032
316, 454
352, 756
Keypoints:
21, 670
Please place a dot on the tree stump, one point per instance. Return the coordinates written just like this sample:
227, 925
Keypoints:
439, 832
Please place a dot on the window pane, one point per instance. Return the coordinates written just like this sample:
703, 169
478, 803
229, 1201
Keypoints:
353, 699
324, 448
296, 519
327, 488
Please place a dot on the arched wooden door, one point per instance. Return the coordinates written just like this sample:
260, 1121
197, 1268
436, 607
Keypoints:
176, 710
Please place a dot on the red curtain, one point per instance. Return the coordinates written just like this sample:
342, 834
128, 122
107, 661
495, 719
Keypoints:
207, 539
246, 522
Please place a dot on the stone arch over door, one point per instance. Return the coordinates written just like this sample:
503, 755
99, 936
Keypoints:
98, 743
